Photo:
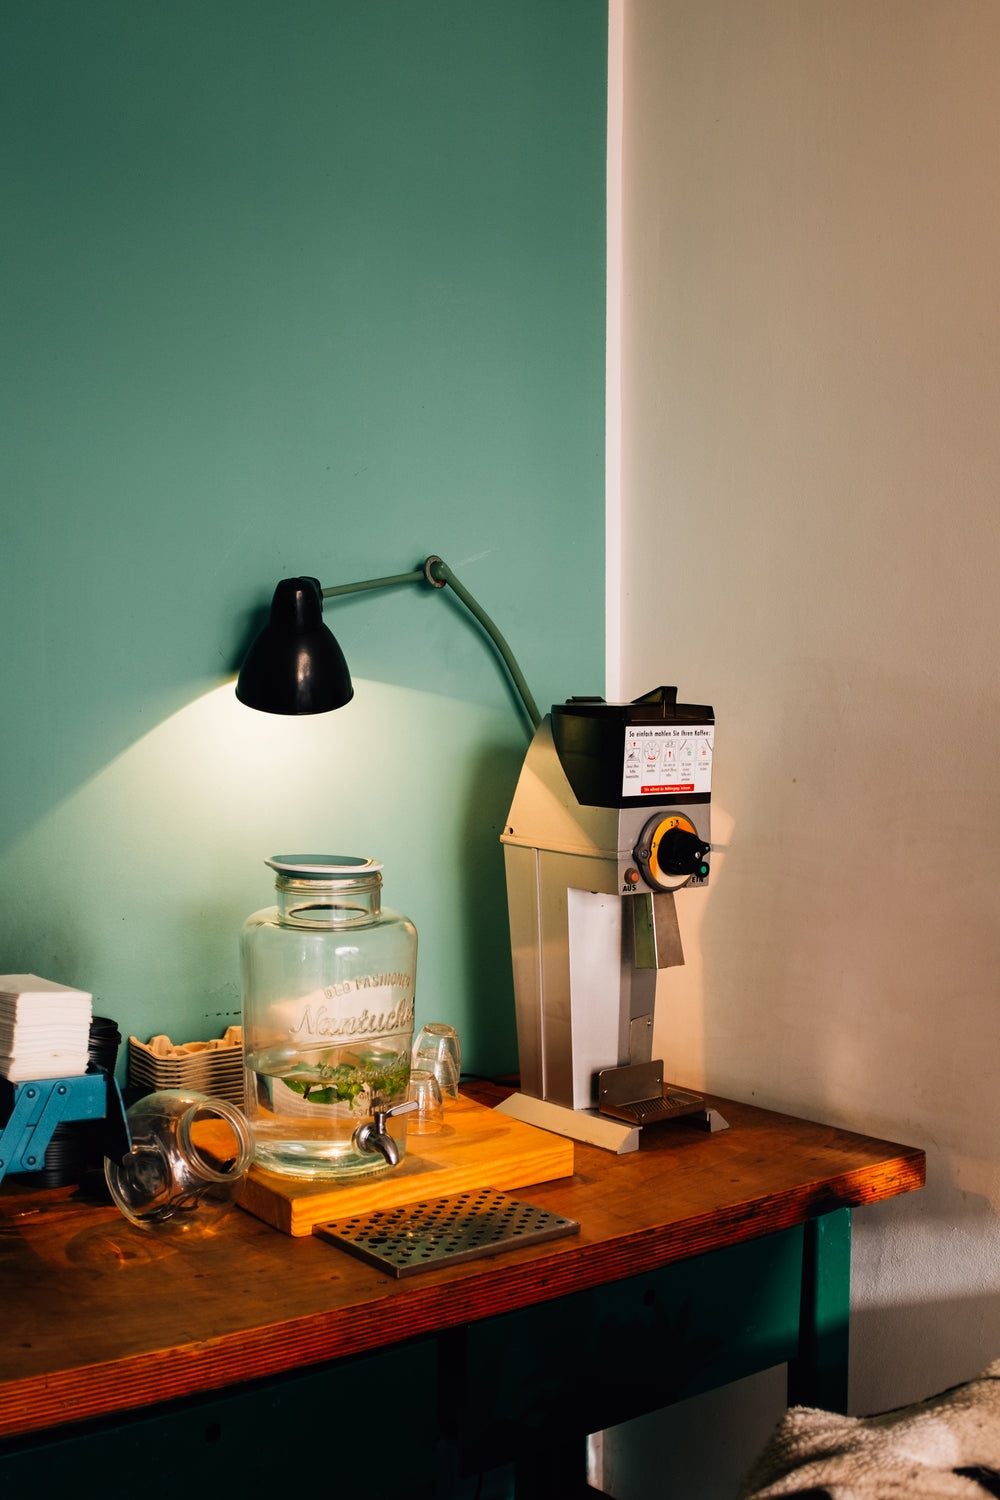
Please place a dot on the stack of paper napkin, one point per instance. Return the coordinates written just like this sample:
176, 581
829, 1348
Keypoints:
44, 1028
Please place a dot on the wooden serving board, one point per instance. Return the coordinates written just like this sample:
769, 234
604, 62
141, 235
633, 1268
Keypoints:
475, 1148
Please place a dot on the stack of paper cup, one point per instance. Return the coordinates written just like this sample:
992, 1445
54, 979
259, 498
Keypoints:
44, 1028
214, 1067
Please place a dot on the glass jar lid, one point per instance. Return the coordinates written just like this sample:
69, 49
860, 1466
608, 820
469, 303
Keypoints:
324, 866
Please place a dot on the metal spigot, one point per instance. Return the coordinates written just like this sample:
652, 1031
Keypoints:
373, 1135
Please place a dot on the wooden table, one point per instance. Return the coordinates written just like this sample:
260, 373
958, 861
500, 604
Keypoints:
151, 1363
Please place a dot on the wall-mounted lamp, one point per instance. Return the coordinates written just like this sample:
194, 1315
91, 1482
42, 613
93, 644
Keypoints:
296, 666
610, 816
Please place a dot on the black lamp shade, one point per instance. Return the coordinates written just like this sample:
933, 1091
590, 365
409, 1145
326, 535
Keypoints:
295, 665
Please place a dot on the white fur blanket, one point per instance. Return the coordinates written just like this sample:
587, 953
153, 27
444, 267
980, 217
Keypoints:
945, 1448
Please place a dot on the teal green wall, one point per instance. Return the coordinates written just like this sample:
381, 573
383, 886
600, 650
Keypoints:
290, 286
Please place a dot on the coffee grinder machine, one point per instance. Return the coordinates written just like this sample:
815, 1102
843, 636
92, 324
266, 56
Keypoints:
610, 817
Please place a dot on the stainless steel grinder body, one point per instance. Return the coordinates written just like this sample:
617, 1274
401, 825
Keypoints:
610, 816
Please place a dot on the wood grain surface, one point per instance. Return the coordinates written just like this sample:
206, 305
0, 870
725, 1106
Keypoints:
102, 1317
475, 1148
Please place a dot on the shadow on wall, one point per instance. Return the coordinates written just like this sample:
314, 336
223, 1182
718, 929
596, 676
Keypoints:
846, 955
850, 944
490, 1023
705, 1446
927, 1285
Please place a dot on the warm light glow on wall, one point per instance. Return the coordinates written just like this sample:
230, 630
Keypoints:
136, 885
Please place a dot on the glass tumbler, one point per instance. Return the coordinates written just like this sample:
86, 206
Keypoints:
425, 1089
439, 1051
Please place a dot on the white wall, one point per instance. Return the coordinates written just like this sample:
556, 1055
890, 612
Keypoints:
810, 476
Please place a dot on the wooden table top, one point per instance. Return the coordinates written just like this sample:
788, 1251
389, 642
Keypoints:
103, 1317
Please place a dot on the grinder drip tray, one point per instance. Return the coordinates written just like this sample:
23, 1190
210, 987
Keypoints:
638, 1095
424, 1236
669, 1105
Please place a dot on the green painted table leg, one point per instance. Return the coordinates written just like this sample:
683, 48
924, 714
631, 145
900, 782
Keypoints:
818, 1377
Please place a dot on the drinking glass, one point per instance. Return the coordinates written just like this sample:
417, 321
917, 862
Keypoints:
425, 1088
438, 1051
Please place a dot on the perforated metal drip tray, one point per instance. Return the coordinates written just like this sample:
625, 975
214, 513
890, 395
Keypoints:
424, 1236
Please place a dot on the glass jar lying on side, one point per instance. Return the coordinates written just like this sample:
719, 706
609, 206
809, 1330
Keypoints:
188, 1158
328, 988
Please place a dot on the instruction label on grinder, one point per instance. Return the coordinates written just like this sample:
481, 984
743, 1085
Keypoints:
667, 758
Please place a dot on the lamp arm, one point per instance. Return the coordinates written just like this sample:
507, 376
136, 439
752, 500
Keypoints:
438, 574
372, 583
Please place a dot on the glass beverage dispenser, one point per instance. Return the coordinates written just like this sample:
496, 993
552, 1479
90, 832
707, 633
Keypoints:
328, 990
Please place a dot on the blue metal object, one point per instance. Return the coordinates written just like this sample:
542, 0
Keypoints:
31, 1111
